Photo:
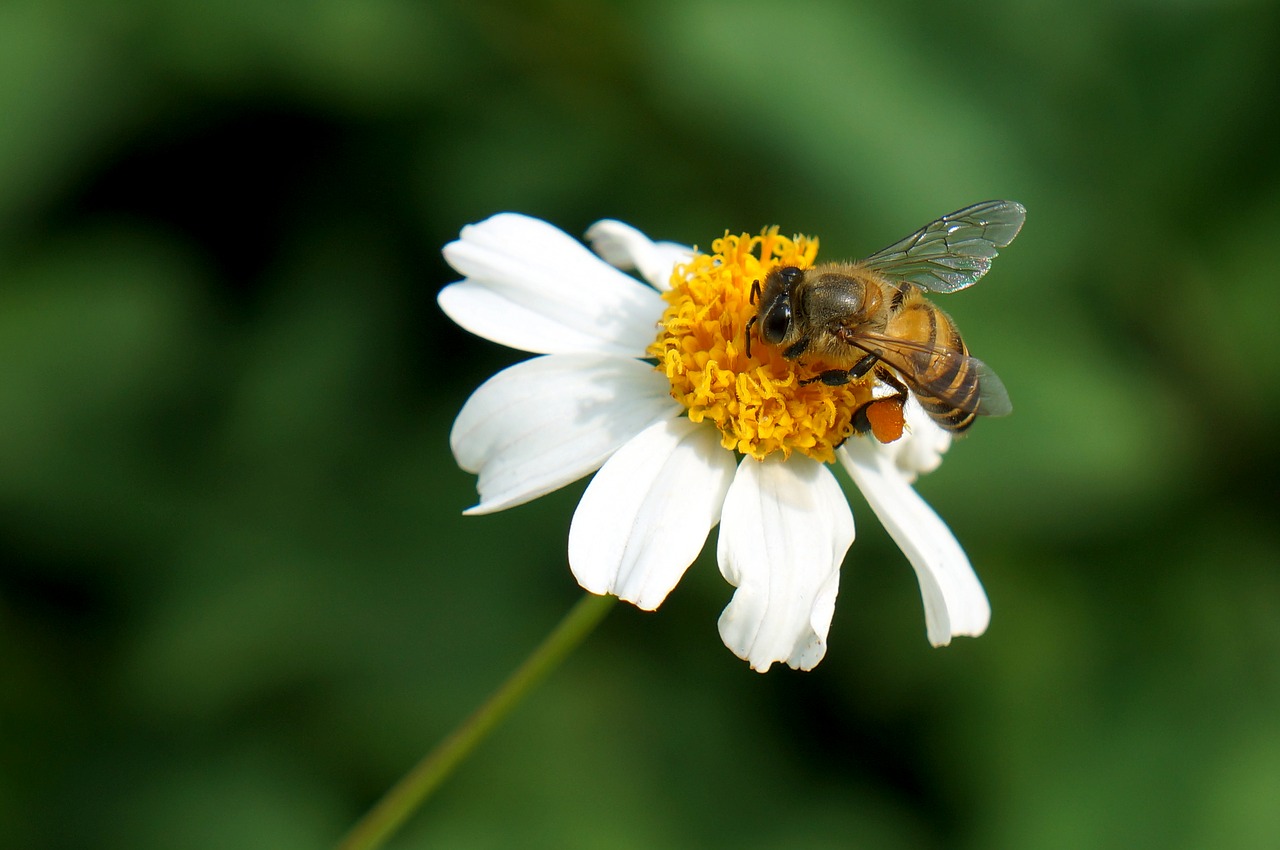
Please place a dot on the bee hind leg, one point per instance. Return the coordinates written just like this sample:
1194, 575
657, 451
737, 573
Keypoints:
861, 421
892, 380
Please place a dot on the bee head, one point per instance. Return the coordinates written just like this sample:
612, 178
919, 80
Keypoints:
774, 315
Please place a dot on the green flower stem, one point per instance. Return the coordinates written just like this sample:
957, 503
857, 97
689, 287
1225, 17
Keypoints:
405, 796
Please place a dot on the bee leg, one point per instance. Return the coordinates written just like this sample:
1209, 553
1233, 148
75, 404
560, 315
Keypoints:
863, 366
892, 380
860, 421
796, 348
882, 418
831, 377
889, 422
840, 377
750, 324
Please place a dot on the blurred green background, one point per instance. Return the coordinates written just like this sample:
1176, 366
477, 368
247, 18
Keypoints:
239, 599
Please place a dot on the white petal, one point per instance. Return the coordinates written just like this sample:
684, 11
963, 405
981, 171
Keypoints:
922, 445
785, 530
490, 313
538, 425
954, 601
627, 248
646, 514
533, 287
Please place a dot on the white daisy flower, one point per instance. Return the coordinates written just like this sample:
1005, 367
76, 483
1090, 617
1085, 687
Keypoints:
706, 436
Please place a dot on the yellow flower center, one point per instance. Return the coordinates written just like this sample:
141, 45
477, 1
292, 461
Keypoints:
760, 404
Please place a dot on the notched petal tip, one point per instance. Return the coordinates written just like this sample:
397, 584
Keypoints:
531, 286
783, 536
540, 424
615, 242
954, 600
922, 447
625, 247
646, 514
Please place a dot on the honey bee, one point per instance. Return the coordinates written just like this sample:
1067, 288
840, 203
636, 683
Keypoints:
872, 316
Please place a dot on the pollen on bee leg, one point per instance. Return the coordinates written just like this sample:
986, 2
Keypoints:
885, 418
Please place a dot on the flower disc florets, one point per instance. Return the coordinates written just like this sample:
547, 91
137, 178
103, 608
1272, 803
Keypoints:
761, 404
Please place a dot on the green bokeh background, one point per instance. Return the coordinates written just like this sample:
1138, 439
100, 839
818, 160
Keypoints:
238, 596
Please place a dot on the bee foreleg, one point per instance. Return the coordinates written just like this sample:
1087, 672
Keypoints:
797, 348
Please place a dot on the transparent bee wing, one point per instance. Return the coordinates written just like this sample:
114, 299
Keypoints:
943, 373
953, 252
993, 398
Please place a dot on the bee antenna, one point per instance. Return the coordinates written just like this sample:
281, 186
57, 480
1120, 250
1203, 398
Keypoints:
755, 292
747, 334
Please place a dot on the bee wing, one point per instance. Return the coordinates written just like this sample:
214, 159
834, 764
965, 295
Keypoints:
943, 373
993, 398
953, 252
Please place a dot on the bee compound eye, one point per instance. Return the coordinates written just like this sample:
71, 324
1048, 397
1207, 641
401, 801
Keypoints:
776, 323
791, 275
